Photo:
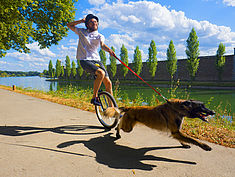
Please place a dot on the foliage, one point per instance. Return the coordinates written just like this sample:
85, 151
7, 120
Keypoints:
18, 73
79, 68
67, 67
62, 71
192, 52
74, 71
137, 60
58, 69
103, 57
220, 60
124, 58
152, 59
25, 21
50, 69
171, 61
113, 64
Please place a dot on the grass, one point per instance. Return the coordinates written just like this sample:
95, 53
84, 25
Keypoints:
219, 130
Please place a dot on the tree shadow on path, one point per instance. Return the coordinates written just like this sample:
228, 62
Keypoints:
122, 157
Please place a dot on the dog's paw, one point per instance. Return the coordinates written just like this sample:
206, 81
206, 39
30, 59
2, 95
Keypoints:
118, 136
206, 147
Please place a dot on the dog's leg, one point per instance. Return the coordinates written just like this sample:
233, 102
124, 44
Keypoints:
184, 138
118, 136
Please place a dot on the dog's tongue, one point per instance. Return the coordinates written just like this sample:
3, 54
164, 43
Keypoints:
203, 117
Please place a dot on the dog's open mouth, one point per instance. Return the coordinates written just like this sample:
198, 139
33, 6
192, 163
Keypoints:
204, 115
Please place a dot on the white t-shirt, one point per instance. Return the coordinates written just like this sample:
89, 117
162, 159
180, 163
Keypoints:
88, 44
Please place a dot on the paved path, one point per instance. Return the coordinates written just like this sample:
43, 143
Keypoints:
40, 138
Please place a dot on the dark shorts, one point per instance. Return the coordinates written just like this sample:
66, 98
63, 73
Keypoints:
91, 66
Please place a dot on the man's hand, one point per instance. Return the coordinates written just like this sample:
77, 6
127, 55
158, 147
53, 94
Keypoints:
112, 53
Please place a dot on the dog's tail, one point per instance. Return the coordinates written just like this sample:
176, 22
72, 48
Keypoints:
114, 112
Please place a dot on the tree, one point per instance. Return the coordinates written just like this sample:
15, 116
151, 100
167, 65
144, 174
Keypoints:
171, 61
62, 71
80, 69
192, 52
113, 64
74, 71
67, 67
25, 21
58, 69
45, 72
53, 72
137, 60
152, 59
124, 58
103, 57
220, 60
50, 69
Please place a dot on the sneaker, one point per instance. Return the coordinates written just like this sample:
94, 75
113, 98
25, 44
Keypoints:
95, 101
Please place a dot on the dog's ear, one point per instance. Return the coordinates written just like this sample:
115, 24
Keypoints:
187, 103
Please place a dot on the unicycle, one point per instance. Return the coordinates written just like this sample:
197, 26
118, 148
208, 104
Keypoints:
106, 100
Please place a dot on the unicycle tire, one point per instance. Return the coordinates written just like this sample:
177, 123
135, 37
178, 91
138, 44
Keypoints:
106, 100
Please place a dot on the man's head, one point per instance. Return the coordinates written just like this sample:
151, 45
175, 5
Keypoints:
91, 22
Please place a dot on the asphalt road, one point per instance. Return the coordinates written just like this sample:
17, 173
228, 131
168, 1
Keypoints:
40, 138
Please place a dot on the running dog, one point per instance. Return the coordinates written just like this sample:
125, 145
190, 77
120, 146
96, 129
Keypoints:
165, 117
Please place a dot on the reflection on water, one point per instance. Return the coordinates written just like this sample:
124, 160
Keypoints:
35, 82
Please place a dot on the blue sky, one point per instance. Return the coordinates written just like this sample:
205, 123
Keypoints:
137, 22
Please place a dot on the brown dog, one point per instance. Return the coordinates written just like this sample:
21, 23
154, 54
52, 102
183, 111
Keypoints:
166, 117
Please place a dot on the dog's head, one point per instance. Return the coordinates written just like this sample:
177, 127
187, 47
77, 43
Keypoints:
191, 108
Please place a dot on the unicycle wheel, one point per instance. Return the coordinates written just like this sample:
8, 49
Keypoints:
106, 100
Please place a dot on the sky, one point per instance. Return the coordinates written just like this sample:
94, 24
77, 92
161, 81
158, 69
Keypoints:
135, 23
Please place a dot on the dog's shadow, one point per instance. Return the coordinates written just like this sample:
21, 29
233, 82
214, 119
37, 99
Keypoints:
122, 157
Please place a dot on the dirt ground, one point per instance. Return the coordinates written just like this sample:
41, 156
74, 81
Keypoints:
40, 138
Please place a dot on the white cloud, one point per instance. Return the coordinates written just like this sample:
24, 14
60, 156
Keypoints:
3, 62
137, 23
229, 2
45, 52
96, 2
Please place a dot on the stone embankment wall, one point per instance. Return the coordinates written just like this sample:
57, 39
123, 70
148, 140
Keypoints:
206, 72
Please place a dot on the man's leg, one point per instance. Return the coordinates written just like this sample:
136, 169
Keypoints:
108, 85
100, 75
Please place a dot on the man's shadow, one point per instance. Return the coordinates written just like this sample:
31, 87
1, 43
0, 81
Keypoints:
69, 129
122, 157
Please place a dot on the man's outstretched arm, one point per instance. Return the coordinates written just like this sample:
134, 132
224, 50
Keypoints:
107, 49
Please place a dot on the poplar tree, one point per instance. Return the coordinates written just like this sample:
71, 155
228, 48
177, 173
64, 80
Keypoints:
58, 69
103, 57
152, 59
67, 67
220, 60
50, 69
192, 52
171, 61
79, 69
124, 58
74, 72
137, 61
113, 64
62, 71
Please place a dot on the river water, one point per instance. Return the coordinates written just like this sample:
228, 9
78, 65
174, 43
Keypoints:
218, 98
